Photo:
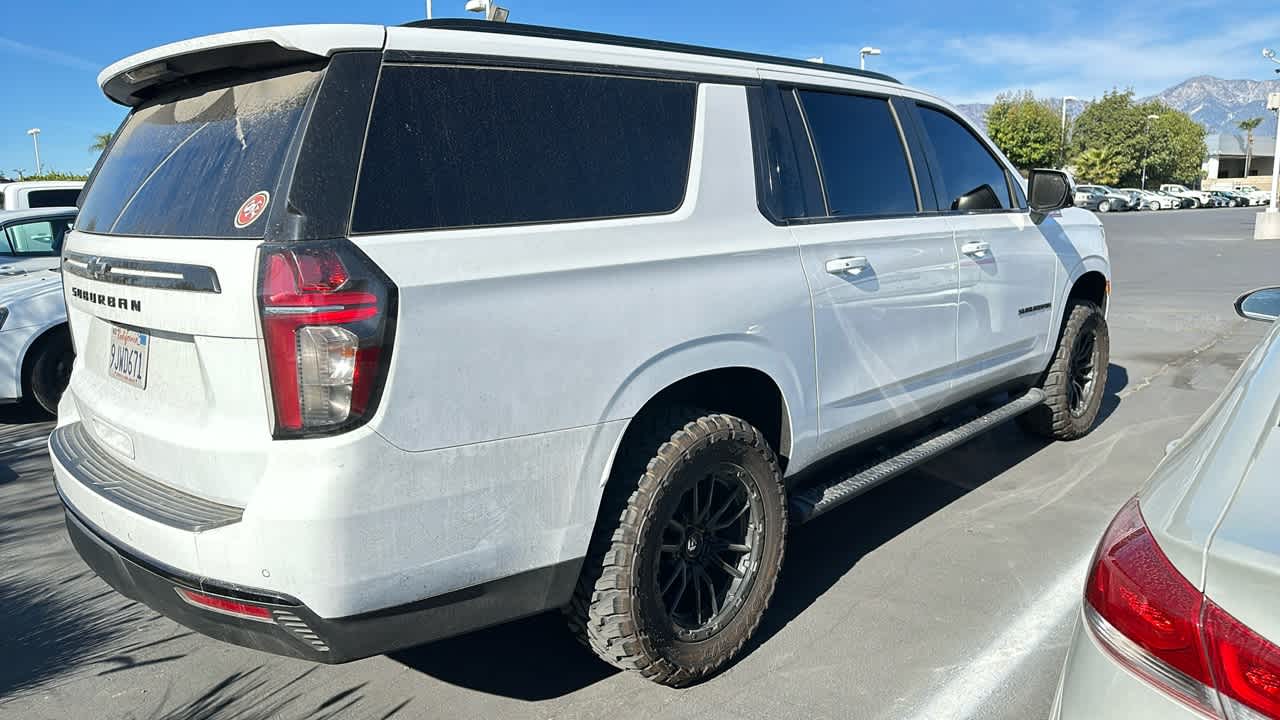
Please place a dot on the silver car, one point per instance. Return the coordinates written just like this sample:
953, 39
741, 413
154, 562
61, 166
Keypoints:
1180, 616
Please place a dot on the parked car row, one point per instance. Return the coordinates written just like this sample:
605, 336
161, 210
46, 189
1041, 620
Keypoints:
1170, 196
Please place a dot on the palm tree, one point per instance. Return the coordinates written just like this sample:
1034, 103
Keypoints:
1248, 126
1098, 165
100, 142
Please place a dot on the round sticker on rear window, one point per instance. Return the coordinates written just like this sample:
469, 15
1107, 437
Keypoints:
252, 208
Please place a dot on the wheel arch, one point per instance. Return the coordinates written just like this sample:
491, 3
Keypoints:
740, 374
1089, 281
742, 391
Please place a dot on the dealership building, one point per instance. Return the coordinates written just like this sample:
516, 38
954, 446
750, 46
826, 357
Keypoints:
1225, 164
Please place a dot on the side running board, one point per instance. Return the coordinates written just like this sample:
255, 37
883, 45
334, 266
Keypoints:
810, 502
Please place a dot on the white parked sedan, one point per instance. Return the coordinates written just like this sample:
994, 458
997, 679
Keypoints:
1256, 196
35, 349
1180, 618
1149, 200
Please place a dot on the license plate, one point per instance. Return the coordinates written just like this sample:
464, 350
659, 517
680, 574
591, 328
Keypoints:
128, 359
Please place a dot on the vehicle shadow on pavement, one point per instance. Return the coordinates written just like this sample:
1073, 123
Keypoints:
21, 414
252, 695
56, 617
537, 658
532, 659
822, 552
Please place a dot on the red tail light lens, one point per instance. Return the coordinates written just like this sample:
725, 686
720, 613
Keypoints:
1246, 666
1160, 626
327, 322
1150, 614
226, 606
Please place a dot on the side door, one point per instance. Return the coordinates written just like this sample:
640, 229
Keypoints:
1008, 268
881, 270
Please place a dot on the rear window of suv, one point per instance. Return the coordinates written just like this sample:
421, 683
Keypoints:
452, 147
184, 167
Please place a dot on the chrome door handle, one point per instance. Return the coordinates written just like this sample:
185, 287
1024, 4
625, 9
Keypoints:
977, 248
847, 265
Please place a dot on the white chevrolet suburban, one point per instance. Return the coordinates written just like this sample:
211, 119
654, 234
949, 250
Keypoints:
389, 333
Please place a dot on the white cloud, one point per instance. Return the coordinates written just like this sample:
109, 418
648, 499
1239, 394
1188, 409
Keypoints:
1147, 49
49, 55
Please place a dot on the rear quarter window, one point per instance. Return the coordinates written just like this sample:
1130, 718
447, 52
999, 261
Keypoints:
452, 147
184, 167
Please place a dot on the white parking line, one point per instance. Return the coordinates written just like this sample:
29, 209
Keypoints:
976, 681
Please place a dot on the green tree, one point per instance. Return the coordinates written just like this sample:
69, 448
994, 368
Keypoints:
1248, 126
1172, 146
55, 175
100, 142
1176, 148
1099, 166
1026, 130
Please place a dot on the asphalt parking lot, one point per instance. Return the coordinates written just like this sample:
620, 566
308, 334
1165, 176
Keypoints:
947, 593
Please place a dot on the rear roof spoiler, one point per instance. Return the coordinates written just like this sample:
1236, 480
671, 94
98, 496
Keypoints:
133, 80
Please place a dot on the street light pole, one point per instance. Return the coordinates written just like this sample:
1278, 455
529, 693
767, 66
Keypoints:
1267, 225
1273, 103
1062, 148
1146, 151
862, 56
35, 140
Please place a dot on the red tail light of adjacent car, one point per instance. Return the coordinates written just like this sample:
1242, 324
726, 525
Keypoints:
1156, 623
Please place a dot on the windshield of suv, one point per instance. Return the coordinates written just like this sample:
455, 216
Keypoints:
184, 167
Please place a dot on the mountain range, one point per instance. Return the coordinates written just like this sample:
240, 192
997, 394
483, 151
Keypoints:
1215, 103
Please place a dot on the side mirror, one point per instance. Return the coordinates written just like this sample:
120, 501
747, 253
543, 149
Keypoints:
1262, 304
1049, 190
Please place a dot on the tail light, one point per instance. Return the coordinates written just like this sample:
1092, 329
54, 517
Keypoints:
327, 322
1160, 626
1245, 666
225, 606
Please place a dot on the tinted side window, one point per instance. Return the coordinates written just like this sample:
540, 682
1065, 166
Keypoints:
864, 165
972, 179
52, 198
464, 147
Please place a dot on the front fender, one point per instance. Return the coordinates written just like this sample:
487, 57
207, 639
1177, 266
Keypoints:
1089, 263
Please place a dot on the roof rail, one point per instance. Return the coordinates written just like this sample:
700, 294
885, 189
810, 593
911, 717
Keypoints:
543, 31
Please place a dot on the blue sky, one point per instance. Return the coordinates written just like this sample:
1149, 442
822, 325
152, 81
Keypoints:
51, 51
